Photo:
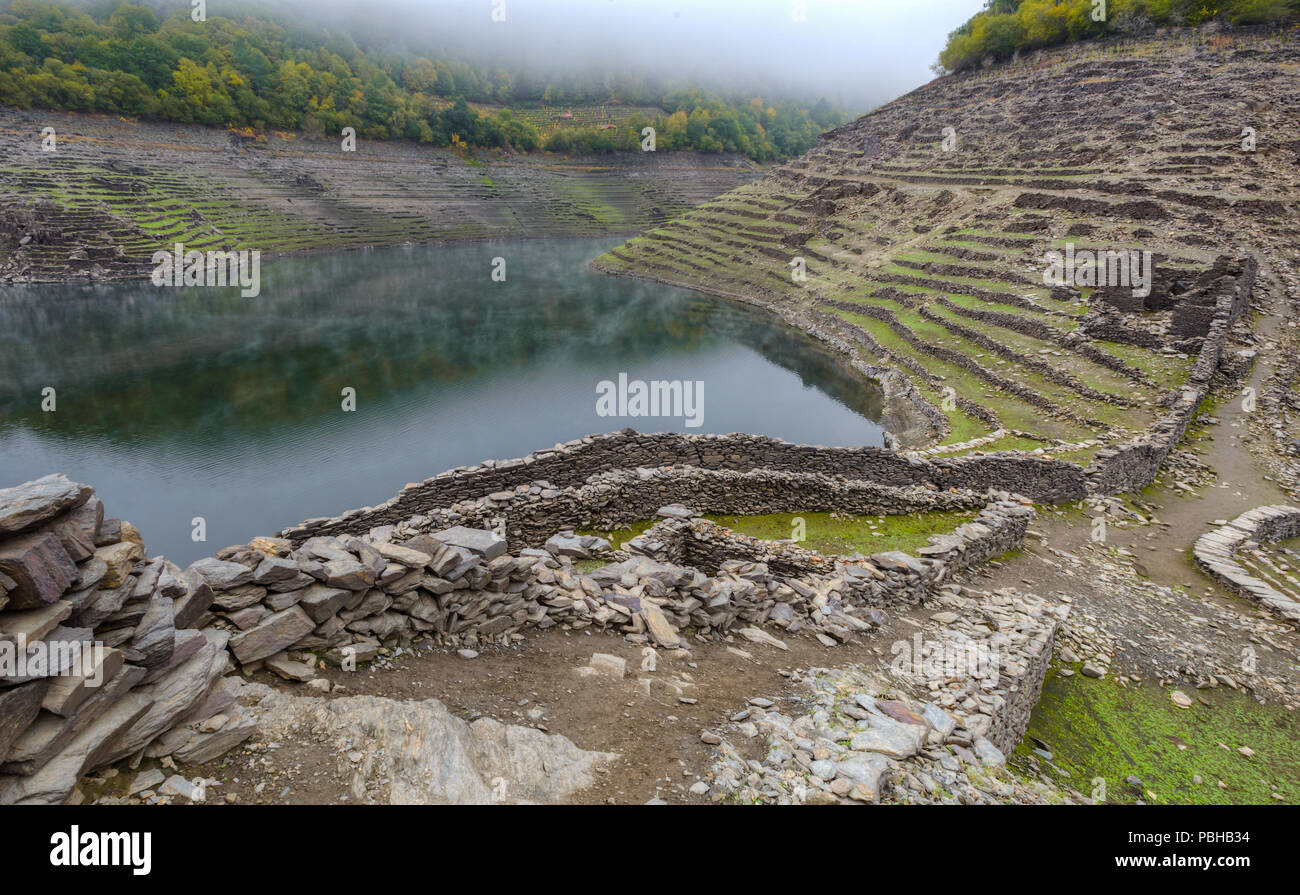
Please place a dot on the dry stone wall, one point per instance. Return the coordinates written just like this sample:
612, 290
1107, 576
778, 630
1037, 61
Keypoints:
882, 579
575, 463
347, 595
955, 699
529, 514
1016, 632
164, 640
1215, 554
103, 653
1133, 464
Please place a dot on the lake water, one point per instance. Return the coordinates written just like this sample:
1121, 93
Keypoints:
176, 404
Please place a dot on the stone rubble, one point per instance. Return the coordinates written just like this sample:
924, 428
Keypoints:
935, 735
71, 579
173, 636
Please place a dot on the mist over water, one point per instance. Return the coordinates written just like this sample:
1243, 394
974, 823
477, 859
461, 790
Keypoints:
856, 53
196, 402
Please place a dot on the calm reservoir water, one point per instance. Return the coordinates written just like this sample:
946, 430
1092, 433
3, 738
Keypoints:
176, 404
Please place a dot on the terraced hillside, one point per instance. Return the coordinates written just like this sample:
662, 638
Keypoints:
549, 119
114, 192
923, 228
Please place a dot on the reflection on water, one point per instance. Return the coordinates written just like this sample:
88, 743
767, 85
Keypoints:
183, 403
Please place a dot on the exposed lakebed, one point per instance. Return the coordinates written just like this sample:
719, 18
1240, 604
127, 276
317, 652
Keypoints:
178, 404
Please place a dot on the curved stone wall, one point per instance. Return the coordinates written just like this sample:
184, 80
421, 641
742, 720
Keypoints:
577, 462
529, 514
163, 640
889, 578
1214, 553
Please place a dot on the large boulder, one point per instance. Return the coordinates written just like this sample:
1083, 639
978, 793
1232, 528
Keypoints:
418, 753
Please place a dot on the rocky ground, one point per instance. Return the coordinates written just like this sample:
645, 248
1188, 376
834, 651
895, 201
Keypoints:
915, 237
737, 721
922, 261
653, 730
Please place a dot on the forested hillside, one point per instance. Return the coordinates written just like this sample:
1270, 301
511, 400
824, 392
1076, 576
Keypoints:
1007, 26
258, 72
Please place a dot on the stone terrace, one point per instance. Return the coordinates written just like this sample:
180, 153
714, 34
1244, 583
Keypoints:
115, 192
930, 262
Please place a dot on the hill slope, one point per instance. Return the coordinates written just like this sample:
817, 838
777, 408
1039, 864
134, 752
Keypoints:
114, 192
925, 247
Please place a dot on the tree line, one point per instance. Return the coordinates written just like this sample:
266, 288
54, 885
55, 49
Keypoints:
1005, 27
261, 72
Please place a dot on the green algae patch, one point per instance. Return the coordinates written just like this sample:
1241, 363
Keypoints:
1098, 729
840, 534
834, 534
620, 536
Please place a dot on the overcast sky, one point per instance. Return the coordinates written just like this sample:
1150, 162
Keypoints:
855, 52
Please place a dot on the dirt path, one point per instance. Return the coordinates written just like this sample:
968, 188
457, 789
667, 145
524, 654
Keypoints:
655, 733
1240, 481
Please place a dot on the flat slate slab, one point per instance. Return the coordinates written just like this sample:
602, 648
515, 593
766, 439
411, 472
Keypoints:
68, 692
54, 782
32, 625
221, 575
58, 651
320, 601
476, 540
275, 633
31, 503
47, 736
18, 709
39, 567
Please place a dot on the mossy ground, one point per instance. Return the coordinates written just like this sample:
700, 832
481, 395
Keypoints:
837, 534
620, 536
844, 535
1098, 729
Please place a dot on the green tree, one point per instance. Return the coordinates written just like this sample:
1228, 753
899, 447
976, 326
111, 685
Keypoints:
129, 21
